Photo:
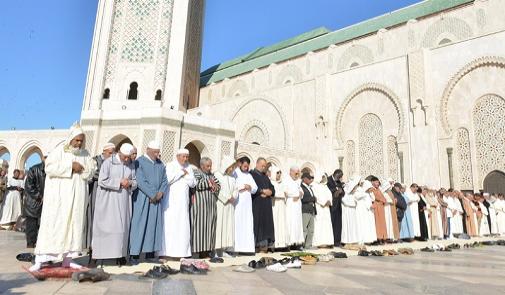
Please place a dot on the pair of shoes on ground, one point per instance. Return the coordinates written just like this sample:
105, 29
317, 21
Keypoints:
93, 275
406, 251
427, 249
194, 266
454, 246
308, 260
25, 257
337, 254
325, 258
277, 267
216, 260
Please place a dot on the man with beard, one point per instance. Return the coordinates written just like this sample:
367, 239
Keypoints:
264, 234
203, 210
68, 169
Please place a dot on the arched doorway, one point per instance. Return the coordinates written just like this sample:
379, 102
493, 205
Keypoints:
494, 182
5, 157
196, 149
31, 156
119, 140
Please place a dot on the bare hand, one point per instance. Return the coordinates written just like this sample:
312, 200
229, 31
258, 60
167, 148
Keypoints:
296, 199
185, 172
231, 200
125, 183
247, 187
77, 167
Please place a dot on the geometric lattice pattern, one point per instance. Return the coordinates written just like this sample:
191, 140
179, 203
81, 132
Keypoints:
255, 135
448, 25
135, 36
167, 149
354, 53
489, 129
350, 158
464, 159
225, 148
149, 134
393, 158
371, 146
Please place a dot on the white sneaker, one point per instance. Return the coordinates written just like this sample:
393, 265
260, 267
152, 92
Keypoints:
277, 268
294, 264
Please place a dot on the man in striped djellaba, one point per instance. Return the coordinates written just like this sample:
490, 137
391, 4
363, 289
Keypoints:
204, 209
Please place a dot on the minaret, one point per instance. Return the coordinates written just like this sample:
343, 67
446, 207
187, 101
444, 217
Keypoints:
145, 55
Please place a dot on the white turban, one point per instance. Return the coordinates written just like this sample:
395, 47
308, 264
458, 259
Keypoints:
154, 144
126, 149
108, 146
75, 130
367, 185
226, 162
182, 152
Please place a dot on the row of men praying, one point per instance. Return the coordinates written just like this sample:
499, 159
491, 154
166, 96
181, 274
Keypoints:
176, 210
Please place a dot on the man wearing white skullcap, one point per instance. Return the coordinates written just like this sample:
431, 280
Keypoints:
111, 225
107, 150
177, 234
68, 168
146, 224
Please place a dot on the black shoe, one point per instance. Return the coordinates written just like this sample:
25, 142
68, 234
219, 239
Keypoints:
192, 270
25, 257
426, 249
121, 261
94, 275
339, 255
216, 260
363, 253
285, 261
166, 269
155, 274
252, 264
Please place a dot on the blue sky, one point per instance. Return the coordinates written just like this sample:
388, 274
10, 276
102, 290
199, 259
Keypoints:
46, 44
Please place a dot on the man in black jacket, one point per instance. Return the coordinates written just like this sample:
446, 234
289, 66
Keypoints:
264, 233
336, 187
308, 209
34, 195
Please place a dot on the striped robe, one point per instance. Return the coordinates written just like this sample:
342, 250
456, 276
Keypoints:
203, 213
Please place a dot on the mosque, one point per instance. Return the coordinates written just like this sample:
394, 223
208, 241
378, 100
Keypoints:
417, 94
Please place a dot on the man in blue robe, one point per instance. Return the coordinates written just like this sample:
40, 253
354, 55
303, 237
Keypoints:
147, 220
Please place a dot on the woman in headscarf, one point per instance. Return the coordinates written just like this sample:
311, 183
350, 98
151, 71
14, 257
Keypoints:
279, 209
323, 230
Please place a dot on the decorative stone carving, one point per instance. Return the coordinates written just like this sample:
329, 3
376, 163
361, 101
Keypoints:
371, 146
355, 53
446, 25
464, 159
488, 61
489, 129
393, 158
167, 150
255, 132
149, 134
377, 88
350, 157
289, 74
238, 88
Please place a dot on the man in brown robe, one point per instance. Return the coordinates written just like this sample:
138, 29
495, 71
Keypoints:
443, 212
380, 215
471, 227
434, 213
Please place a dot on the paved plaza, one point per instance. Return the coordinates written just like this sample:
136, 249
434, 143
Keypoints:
465, 271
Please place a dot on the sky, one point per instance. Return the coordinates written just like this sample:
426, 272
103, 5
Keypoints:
46, 45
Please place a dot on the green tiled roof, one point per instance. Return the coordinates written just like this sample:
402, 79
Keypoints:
321, 38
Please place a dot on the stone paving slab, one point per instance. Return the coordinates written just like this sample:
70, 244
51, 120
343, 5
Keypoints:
465, 271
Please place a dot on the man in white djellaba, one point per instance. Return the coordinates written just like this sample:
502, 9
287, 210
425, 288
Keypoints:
177, 232
68, 170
